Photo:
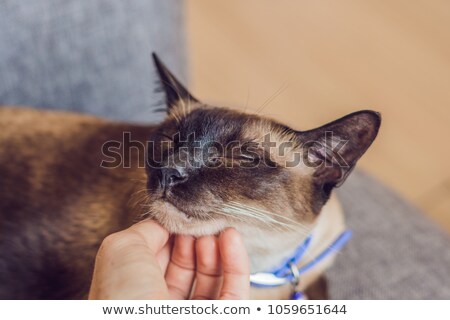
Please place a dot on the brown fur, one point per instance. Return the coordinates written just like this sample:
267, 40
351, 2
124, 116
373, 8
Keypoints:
56, 203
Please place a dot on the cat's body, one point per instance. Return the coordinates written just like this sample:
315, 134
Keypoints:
64, 188
57, 204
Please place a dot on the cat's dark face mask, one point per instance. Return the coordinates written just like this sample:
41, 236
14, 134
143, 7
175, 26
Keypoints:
210, 168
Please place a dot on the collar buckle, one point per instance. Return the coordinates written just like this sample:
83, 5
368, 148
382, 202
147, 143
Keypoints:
265, 279
295, 274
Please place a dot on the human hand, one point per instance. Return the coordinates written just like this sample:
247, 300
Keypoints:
142, 262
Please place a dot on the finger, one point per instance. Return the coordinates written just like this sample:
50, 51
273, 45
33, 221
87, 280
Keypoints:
209, 275
125, 268
235, 265
152, 233
163, 256
181, 269
156, 238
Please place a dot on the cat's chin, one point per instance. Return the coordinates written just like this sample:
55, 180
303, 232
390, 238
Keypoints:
178, 222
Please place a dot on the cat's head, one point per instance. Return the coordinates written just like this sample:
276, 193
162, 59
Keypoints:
210, 168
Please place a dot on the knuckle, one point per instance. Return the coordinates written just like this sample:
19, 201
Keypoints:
229, 295
111, 243
177, 291
183, 263
206, 262
202, 297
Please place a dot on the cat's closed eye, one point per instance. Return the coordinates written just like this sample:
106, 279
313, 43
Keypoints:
247, 157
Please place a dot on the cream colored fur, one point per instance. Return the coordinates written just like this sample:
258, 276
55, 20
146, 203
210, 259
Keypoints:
329, 225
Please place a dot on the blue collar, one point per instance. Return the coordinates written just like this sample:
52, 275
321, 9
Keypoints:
288, 272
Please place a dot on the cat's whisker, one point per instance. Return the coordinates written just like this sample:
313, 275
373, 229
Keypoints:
292, 225
280, 90
135, 202
229, 215
139, 192
241, 217
258, 216
270, 214
248, 99
243, 212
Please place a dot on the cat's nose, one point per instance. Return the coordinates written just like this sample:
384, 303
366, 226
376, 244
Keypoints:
170, 177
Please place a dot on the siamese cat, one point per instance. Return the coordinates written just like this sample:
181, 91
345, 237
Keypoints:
68, 180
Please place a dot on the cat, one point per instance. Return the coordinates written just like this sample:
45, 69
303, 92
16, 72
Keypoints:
68, 180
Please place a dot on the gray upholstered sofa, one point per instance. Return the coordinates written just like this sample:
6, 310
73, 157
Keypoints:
94, 56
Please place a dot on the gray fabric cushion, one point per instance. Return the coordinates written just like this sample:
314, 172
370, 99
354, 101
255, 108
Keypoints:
91, 56
395, 253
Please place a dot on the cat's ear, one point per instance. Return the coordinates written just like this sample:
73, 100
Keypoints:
174, 90
333, 149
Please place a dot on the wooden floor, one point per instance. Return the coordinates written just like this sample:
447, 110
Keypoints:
318, 60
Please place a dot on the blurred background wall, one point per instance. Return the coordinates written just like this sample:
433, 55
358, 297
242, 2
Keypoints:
309, 62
